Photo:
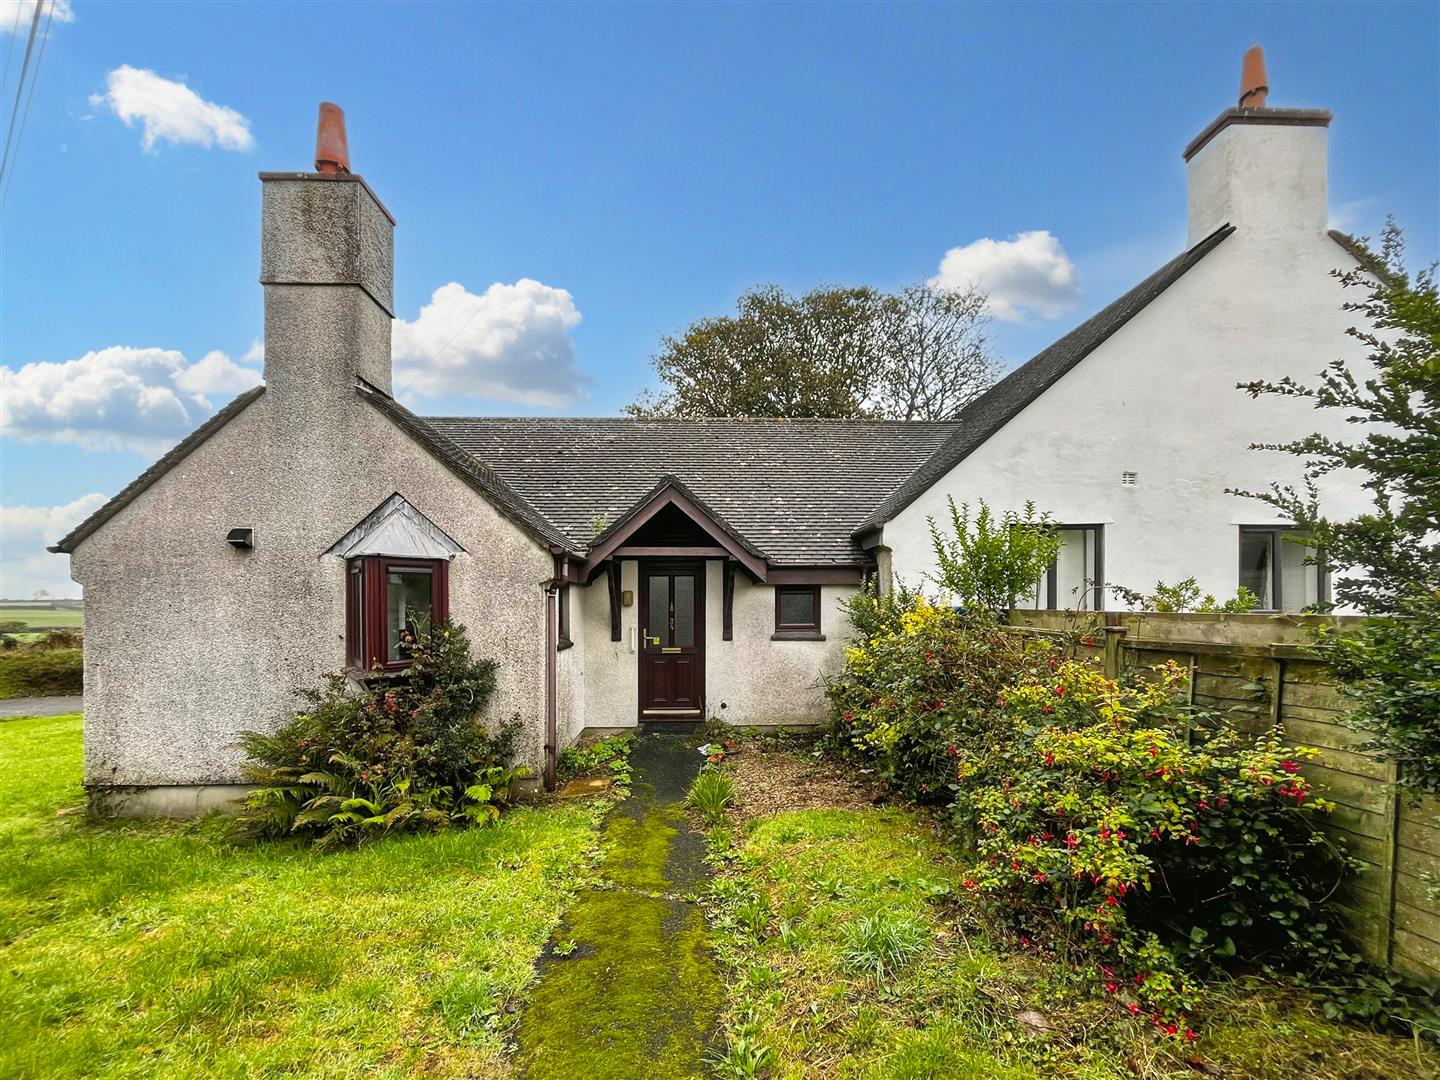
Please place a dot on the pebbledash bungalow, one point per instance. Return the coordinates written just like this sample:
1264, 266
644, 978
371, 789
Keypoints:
624, 572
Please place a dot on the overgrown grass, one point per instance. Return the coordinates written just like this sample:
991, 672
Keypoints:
154, 950
31, 672
46, 618
873, 967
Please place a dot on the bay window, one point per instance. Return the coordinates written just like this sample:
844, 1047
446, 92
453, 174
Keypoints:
387, 598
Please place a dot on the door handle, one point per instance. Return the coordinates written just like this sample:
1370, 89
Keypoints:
646, 639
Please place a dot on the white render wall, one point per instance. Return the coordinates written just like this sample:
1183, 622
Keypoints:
750, 680
1159, 399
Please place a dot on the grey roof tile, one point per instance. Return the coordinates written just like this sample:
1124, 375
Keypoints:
792, 489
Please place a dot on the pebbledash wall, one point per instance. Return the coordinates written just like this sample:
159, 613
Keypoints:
1158, 399
1257, 670
190, 642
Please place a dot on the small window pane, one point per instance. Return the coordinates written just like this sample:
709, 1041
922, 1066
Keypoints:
797, 608
1257, 552
659, 614
684, 611
1299, 584
409, 600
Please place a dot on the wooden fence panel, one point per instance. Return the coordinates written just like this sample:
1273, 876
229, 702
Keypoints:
1255, 671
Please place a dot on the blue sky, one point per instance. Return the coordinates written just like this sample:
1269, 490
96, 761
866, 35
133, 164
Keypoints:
611, 173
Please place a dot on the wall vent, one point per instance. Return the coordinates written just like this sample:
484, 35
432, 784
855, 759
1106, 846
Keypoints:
1128, 479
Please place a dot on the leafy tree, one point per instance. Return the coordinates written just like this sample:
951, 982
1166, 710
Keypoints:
835, 352
1388, 558
987, 561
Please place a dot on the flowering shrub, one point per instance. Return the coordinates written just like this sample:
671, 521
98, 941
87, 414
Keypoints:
919, 688
1162, 859
406, 752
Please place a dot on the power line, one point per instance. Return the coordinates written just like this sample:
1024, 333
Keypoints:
19, 86
436, 354
29, 97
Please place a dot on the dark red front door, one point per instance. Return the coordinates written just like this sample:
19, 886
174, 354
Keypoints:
672, 644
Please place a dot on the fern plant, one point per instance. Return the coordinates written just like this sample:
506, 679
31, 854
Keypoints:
405, 753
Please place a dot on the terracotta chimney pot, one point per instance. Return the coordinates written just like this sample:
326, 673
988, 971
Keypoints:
332, 152
1253, 83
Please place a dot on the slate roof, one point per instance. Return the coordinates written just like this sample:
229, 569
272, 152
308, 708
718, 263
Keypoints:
995, 408
475, 473
792, 489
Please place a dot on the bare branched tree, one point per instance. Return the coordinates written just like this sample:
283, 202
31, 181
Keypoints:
936, 353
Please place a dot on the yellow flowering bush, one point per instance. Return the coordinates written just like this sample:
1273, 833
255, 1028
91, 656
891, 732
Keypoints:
920, 687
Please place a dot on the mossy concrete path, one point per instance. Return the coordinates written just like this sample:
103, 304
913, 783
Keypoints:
628, 984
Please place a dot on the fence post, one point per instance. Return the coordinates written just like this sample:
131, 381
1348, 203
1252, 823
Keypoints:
1389, 869
1114, 638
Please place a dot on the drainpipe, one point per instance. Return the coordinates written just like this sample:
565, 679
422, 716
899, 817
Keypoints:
552, 662
552, 659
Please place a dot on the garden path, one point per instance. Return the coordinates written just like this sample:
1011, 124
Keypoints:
628, 984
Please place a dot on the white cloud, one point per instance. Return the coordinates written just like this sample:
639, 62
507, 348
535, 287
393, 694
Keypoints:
1027, 274
116, 398
25, 532
171, 111
16, 16
510, 343
255, 354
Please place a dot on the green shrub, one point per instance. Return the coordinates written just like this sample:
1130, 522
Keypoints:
405, 753
610, 755
709, 795
987, 561
1164, 860
919, 688
1186, 596
31, 672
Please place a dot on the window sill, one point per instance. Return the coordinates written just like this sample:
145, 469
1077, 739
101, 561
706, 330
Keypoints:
797, 635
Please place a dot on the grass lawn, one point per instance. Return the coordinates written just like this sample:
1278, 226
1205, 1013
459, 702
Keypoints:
852, 958
154, 950
44, 617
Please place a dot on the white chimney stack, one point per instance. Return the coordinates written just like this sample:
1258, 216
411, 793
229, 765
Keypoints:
1260, 169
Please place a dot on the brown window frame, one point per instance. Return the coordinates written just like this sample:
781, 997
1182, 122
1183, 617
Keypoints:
797, 631
367, 578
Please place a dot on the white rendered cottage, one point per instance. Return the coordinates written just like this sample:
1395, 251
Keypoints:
624, 572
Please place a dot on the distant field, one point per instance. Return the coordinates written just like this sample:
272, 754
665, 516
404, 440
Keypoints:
43, 617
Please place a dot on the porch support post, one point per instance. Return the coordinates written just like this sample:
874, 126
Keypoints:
612, 579
727, 608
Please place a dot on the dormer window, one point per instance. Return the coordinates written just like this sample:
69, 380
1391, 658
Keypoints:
397, 583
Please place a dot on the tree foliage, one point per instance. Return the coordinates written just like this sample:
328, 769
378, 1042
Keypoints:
987, 561
834, 352
1388, 559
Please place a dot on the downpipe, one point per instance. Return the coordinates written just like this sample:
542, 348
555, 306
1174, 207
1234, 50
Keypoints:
552, 681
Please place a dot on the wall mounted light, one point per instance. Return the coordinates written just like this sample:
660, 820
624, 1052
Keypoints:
242, 539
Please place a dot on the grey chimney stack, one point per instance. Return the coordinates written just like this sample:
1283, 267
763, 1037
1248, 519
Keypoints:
327, 264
